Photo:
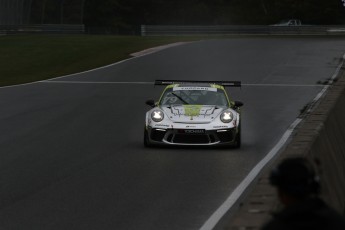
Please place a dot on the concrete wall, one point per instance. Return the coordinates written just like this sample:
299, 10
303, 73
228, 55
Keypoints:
329, 144
320, 138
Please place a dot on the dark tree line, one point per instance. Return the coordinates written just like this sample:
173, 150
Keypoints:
214, 11
56, 11
129, 14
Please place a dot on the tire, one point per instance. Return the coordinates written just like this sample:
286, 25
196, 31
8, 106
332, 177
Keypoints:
146, 139
238, 138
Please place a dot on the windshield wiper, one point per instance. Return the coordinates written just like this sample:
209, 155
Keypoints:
180, 98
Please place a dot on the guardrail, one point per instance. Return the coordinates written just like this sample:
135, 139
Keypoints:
44, 28
167, 30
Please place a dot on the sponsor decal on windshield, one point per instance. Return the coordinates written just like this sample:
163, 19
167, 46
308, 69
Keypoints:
195, 88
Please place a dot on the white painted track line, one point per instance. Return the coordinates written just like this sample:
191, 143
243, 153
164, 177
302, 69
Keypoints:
236, 194
133, 56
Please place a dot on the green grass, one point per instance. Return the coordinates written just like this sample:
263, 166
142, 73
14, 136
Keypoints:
28, 58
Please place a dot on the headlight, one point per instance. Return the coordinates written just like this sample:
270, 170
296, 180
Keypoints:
226, 117
157, 115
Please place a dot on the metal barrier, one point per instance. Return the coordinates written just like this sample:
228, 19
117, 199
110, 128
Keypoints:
44, 28
167, 30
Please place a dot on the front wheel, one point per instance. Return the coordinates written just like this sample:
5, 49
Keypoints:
146, 139
238, 138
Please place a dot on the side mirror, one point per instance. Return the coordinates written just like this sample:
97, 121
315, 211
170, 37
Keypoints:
150, 103
238, 104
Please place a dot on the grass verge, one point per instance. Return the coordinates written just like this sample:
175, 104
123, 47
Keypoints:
28, 58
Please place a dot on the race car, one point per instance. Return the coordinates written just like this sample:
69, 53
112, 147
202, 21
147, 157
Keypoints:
194, 113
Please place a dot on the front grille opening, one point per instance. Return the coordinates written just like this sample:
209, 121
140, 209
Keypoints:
225, 136
191, 139
157, 135
170, 137
212, 138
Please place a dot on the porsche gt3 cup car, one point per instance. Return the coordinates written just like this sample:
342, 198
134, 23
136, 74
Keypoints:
194, 113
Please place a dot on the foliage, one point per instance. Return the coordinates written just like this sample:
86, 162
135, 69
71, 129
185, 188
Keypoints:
127, 14
136, 12
56, 11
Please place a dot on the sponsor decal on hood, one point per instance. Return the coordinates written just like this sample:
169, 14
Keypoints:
192, 110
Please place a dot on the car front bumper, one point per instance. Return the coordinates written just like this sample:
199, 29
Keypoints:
226, 136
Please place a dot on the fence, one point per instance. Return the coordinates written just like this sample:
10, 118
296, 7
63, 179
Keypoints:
166, 30
44, 28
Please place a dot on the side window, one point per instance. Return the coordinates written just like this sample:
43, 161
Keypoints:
168, 98
223, 100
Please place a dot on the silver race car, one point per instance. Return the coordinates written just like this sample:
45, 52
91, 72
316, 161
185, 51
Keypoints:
194, 113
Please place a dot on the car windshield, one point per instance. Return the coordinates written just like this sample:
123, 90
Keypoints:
194, 96
284, 22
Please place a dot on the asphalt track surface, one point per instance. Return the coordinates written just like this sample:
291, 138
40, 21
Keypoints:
71, 151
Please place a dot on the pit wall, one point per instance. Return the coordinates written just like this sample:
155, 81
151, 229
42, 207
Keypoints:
329, 144
321, 139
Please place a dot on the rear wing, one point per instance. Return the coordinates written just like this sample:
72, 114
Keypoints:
222, 83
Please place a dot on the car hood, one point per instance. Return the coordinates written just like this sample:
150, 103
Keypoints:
192, 113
